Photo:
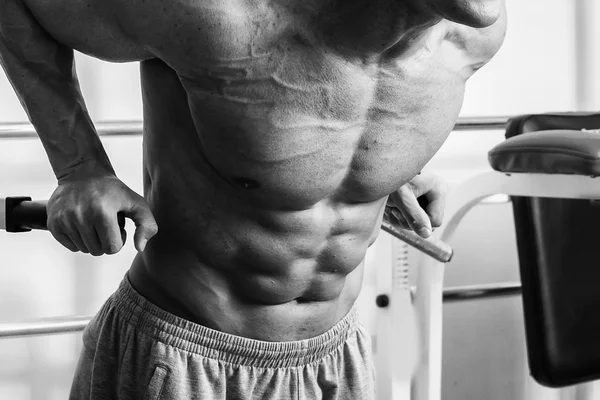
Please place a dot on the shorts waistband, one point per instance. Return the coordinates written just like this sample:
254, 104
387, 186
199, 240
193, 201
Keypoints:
198, 339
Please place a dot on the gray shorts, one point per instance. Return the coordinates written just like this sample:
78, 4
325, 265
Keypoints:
133, 349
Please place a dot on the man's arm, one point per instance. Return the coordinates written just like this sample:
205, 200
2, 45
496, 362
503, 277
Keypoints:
83, 211
42, 73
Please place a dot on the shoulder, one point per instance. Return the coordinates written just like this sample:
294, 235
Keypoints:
191, 36
479, 44
94, 27
128, 30
182, 32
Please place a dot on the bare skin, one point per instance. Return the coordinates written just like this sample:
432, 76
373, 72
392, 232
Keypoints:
274, 133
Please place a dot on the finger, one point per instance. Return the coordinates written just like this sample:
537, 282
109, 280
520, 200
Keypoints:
145, 223
435, 210
436, 204
75, 237
90, 239
415, 216
413, 224
400, 220
64, 240
109, 233
395, 217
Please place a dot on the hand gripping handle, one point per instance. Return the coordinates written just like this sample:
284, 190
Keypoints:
22, 215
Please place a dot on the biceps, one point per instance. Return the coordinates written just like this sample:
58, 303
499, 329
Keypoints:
86, 26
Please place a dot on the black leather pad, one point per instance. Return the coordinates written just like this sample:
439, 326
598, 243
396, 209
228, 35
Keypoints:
549, 152
558, 242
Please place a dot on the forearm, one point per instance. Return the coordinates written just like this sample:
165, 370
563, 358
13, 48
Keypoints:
42, 72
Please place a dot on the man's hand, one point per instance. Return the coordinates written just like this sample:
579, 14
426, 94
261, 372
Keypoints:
419, 204
87, 214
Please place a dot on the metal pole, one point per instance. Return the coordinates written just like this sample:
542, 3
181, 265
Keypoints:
481, 123
133, 128
587, 58
78, 323
476, 292
431, 246
44, 326
25, 130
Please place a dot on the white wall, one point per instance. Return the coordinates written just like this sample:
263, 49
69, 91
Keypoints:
535, 71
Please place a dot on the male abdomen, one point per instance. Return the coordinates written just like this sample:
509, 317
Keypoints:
268, 174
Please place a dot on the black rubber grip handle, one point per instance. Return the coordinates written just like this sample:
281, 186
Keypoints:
23, 215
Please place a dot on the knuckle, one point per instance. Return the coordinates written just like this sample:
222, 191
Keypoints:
100, 202
59, 226
98, 211
56, 217
152, 229
104, 219
71, 214
407, 188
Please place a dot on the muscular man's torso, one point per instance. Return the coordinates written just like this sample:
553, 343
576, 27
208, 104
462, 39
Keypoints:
273, 133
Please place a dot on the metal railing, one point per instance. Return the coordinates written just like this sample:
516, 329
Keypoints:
60, 325
45, 326
23, 130
20, 130
487, 291
68, 324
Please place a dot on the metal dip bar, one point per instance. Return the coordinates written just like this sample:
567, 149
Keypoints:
431, 246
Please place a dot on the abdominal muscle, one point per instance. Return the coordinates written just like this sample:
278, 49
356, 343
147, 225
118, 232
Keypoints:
261, 276
229, 259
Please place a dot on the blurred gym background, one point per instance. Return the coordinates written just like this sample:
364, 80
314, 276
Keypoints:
546, 64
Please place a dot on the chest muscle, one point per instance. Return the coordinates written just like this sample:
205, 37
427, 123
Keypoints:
283, 116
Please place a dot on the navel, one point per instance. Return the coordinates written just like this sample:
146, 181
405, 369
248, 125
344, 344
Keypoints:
246, 183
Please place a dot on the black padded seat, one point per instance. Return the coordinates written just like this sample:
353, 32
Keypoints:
558, 242
549, 152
